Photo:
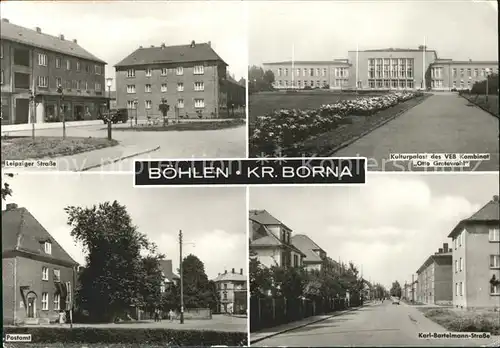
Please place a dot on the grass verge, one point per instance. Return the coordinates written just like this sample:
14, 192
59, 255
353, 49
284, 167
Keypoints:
464, 321
24, 148
490, 105
186, 126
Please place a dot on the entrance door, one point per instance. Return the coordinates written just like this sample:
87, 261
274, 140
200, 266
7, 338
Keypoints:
31, 307
78, 109
22, 111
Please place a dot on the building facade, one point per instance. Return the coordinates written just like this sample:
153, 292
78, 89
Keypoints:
271, 241
169, 277
189, 77
434, 278
232, 290
38, 276
36, 63
382, 69
315, 257
476, 259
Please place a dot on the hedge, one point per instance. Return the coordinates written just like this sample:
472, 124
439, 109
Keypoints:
168, 337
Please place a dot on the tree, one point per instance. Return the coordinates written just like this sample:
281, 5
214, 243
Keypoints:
260, 277
396, 289
150, 292
112, 281
288, 282
164, 109
171, 299
199, 292
6, 190
260, 80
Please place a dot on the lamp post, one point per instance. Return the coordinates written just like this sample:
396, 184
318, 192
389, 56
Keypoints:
487, 82
109, 81
61, 98
136, 103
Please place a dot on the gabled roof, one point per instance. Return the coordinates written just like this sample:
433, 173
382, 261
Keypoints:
30, 37
308, 247
199, 52
431, 259
166, 267
489, 213
264, 218
22, 232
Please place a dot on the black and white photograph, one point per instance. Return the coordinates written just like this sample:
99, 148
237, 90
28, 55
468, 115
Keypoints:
375, 79
378, 265
88, 260
94, 85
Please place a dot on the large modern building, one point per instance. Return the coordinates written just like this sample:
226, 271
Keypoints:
476, 259
232, 290
32, 61
38, 275
191, 78
382, 69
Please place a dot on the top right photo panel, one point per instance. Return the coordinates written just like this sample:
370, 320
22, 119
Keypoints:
410, 85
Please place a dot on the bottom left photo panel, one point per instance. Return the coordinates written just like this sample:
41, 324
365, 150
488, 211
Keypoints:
90, 260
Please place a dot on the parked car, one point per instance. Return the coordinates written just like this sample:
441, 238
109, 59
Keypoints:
117, 115
395, 300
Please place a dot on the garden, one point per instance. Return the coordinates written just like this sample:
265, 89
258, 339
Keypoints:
456, 320
290, 131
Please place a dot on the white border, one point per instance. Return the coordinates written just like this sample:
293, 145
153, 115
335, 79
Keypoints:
247, 99
247, 243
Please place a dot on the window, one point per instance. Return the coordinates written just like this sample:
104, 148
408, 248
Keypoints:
149, 72
179, 71
130, 73
225, 295
97, 86
148, 104
461, 264
469, 72
45, 273
298, 72
460, 237
58, 62
78, 84
78, 66
198, 70
163, 87
476, 72
1, 51
495, 289
48, 248
1, 78
454, 72
317, 71
324, 72
456, 266
304, 72
164, 71
57, 302
97, 69
494, 235
180, 87
279, 71
295, 260
130, 89
45, 301
286, 72
131, 104
42, 59
461, 72
199, 86
57, 275
147, 88
42, 81
311, 72
199, 103
68, 64
456, 289
461, 288
85, 85
180, 103
494, 261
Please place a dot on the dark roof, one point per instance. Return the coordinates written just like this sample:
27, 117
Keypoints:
166, 267
264, 218
30, 37
490, 212
200, 52
22, 232
432, 258
308, 247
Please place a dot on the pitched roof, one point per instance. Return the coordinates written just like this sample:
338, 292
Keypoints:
34, 38
22, 232
166, 267
198, 52
229, 276
431, 259
263, 217
308, 247
490, 212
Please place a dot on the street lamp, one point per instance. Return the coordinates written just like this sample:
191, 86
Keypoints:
487, 82
136, 103
109, 81
61, 98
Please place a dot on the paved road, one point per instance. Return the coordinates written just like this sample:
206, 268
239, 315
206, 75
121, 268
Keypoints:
373, 325
441, 124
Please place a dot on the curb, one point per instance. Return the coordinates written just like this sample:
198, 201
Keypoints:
480, 106
378, 125
114, 160
303, 325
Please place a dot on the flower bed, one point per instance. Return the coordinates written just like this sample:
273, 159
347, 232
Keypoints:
286, 128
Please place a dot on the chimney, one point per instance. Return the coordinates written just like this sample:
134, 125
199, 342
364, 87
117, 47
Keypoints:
38, 30
440, 250
11, 206
61, 37
75, 41
5, 20
445, 247
193, 43
241, 271
495, 198
140, 47
225, 272
209, 43
232, 271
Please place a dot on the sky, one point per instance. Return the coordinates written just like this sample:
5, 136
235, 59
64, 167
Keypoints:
388, 227
214, 219
326, 30
112, 30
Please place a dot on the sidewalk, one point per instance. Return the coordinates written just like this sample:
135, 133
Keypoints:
277, 330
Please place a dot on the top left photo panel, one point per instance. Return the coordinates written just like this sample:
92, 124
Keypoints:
92, 86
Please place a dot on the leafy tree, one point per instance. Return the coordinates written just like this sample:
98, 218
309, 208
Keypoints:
112, 281
151, 274
199, 292
6, 190
171, 299
396, 289
288, 282
260, 277
260, 80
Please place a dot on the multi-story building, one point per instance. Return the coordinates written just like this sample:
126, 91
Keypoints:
383, 69
315, 257
232, 290
476, 259
169, 277
35, 62
434, 278
191, 78
271, 241
38, 275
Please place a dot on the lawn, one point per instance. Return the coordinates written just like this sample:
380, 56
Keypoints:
24, 148
464, 321
490, 106
186, 126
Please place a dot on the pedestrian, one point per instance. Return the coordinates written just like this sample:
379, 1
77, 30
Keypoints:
156, 315
171, 315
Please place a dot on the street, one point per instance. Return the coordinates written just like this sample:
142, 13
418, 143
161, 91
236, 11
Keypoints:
377, 324
441, 124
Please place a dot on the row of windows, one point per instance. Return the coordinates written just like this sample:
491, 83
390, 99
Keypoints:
408, 73
390, 83
390, 61
43, 61
198, 86
483, 71
459, 289
493, 236
148, 104
197, 70
43, 82
45, 301
338, 72
56, 274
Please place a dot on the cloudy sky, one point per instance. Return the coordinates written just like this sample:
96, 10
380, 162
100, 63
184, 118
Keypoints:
214, 219
112, 30
389, 226
324, 30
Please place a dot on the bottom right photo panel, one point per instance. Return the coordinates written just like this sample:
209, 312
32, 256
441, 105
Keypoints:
404, 260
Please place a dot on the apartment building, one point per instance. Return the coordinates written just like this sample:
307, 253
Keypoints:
191, 78
383, 69
434, 278
315, 257
476, 259
232, 290
38, 275
35, 62
271, 241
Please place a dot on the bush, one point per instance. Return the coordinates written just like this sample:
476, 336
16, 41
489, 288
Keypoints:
166, 337
478, 324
